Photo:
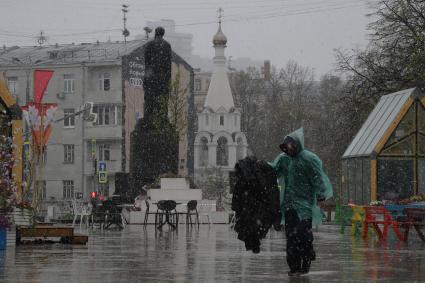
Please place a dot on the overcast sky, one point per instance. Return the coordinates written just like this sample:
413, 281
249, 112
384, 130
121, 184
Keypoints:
306, 31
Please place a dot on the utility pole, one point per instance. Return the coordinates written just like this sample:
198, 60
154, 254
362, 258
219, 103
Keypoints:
125, 31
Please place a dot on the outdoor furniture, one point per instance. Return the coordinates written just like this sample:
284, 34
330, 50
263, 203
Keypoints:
167, 209
204, 211
98, 215
396, 211
191, 209
357, 220
147, 213
113, 215
376, 216
343, 216
328, 208
416, 218
83, 210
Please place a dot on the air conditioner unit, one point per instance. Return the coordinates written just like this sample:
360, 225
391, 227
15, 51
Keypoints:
61, 95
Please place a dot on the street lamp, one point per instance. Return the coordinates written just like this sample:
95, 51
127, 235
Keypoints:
28, 67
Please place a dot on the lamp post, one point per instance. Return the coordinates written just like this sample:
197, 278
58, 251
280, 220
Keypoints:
28, 66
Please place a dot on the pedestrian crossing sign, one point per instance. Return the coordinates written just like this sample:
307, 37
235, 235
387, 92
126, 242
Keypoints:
103, 177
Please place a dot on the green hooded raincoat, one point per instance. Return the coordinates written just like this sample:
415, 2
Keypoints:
301, 180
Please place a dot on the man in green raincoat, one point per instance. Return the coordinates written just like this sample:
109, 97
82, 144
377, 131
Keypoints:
302, 183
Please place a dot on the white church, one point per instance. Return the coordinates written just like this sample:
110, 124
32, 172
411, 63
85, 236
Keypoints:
219, 141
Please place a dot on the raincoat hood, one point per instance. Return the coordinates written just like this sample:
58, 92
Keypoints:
302, 180
298, 137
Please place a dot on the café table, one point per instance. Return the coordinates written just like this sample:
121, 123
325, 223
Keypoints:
166, 208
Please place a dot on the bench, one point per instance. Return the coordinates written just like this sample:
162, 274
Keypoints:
416, 218
376, 216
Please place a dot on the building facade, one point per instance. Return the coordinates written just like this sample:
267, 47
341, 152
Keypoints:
219, 142
109, 75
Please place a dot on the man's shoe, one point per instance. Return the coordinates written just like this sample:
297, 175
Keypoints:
293, 273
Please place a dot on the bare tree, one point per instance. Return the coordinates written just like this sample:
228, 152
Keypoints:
177, 105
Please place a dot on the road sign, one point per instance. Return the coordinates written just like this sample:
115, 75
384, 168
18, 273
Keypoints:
102, 166
103, 177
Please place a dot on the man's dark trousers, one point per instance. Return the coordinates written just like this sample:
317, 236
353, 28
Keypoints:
299, 242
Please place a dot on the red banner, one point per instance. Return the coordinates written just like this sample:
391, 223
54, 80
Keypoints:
41, 80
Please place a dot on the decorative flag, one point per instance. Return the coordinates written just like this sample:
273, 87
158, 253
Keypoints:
38, 114
41, 80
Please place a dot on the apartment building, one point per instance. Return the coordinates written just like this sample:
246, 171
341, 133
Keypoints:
109, 74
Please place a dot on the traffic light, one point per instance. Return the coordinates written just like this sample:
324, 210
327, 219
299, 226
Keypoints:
93, 195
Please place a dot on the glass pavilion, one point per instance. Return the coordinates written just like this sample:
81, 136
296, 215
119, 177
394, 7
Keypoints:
386, 159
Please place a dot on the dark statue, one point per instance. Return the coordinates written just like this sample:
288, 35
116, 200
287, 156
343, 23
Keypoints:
157, 75
154, 142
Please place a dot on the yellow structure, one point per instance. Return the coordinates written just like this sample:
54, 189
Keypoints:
12, 109
386, 159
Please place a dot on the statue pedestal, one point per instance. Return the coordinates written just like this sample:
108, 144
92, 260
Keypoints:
154, 151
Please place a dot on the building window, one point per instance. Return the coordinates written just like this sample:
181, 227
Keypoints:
68, 83
42, 185
222, 152
203, 154
104, 152
68, 189
104, 189
207, 119
198, 85
222, 120
105, 81
68, 153
12, 85
68, 118
107, 114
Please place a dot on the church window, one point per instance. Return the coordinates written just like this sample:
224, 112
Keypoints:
198, 85
203, 154
222, 152
221, 120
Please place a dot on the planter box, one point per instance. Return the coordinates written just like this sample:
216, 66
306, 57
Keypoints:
22, 217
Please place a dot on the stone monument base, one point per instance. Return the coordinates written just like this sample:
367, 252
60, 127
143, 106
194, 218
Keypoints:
154, 151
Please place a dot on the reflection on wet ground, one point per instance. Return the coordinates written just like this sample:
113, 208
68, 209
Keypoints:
210, 254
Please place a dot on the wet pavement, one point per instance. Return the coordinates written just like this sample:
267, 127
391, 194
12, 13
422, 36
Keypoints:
210, 254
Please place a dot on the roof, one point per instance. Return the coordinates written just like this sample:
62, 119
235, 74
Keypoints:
385, 113
68, 53
219, 93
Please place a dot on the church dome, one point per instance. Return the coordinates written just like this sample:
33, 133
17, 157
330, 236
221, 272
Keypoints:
219, 38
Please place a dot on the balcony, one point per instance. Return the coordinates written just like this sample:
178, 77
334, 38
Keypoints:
103, 132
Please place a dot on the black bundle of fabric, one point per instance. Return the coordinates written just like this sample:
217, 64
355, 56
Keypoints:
255, 201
